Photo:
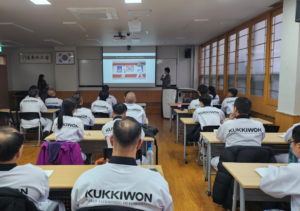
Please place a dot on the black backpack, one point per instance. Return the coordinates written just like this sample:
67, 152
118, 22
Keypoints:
193, 133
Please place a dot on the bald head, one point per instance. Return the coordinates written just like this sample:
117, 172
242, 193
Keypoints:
51, 92
130, 98
10, 143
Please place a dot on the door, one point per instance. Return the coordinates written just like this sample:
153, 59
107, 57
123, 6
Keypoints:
3, 83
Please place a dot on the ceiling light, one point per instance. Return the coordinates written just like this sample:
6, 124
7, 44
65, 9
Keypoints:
198, 20
41, 2
51, 40
133, 1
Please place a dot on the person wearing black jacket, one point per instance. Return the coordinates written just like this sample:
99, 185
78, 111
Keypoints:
43, 87
166, 79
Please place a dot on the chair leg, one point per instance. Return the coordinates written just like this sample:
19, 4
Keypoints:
39, 141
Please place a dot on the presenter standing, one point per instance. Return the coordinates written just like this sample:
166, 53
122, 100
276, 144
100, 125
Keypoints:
166, 79
123, 71
140, 72
43, 87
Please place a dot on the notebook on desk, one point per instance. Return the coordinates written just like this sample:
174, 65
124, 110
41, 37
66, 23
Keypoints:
261, 171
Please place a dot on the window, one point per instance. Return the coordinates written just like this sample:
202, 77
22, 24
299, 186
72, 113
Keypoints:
258, 58
231, 61
213, 77
221, 65
202, 66
207, 65
275, 56
242, 60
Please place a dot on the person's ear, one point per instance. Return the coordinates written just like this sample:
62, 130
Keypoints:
135, 101
139, 144
113, 113
111, 139
125, 113
74, 111
19, 153
235, 109
199, 93
81, 101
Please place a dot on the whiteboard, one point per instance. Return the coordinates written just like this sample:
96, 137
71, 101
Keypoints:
90, 72
161, 64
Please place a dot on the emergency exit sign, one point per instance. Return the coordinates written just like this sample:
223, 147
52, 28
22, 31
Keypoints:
0, 49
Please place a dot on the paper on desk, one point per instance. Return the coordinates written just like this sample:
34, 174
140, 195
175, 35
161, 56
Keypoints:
281, 136
48, 172
261, 171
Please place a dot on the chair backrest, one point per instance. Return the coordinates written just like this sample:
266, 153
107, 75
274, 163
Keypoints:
107, 152
108, 208
101, 115
210, 128
88, 127
29, 115
271, 128
217, 106
4, 115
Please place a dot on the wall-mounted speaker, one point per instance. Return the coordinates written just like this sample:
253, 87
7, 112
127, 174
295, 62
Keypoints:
188, 53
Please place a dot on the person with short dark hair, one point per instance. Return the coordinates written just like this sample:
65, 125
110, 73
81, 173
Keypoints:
134, 110
34, 104
52, 100
212, 93
101, 105
111, 99
228, 102
42, 87
84, 114
195, 104
121, 181
30, 88
284, 181
28, 179
207, 115
166, 78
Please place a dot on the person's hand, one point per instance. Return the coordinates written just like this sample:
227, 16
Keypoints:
232, 116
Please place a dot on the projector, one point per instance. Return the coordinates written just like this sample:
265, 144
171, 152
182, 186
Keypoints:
119, 37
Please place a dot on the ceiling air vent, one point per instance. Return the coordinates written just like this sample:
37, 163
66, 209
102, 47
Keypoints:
101, 13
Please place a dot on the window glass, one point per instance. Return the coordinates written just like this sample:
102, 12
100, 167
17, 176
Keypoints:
221, 65
242, 60
231, 61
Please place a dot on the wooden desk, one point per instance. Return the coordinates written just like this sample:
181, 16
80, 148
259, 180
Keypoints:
49, 111
178, 114
215, 147
103, 121
64, 177
172, 106
264, 122
247, 178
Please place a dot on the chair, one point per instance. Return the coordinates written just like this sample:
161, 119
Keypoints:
101, 115
88, 127
16, 123
107, 208
271, 128
107, 152
6, 117
32, 116
217, 106
56, 107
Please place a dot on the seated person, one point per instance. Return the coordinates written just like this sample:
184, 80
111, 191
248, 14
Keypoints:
52, 100
126, 95
32, 87
84, 114
33, 104
28, 179
208, 115
121, 177
212, 93
101, 106
111, 99
66, 127
119, 111
228, 102
134, 110
283, 181
202, 90
241, 131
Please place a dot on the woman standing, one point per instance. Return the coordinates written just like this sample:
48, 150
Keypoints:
43, 87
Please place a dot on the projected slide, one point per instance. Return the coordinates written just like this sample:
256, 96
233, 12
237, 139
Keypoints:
126, 69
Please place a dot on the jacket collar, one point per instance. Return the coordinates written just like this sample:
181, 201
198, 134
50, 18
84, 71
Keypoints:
78, 106
242, 117
117, 117
50, 97
7, 167
122, 161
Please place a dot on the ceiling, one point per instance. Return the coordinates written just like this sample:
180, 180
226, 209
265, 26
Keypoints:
170, 19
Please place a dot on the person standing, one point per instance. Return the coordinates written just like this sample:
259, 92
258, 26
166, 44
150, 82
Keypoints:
123, 71
140, 72
166, 79
43, 87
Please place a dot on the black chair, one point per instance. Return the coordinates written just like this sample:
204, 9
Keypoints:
87, 127
107, 208
107, 152
217, 106
16, 123
100, 115
32, 116
271, 128
6, 117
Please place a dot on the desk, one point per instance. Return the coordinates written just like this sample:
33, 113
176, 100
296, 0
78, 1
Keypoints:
264, 122
248, 180
178, 113
143, 105
103, 121
172, 106
95, 142
49, 111
215, 147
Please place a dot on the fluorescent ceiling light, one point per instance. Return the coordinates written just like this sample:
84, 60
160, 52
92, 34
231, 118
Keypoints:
41, 2
133, 1
198, 20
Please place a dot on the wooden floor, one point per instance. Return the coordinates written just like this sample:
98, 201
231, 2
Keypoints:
186, 181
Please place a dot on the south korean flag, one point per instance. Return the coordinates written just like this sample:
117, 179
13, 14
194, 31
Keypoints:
65, 58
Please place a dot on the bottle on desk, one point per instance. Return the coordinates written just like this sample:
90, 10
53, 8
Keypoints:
150, 158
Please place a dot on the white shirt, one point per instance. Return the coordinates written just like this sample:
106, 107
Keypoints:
195, 104
53, 101
215, 101
139, 69
107, 130
283, 181
122, 185
30, 181
85, 115
228, 105
111, 100
100, 106
32, 104
241, 132
208, 116
136, 111
72, 130
288, 135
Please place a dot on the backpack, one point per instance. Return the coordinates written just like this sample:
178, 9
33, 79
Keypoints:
193, 133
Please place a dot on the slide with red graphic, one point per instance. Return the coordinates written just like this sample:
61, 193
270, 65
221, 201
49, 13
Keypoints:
125, 70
